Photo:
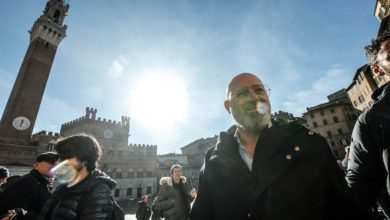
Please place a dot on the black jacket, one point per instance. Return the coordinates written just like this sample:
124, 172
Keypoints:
30, 193
368, 166
294, 177
87, 200
143, 211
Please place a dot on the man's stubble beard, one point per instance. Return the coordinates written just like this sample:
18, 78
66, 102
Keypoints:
256, 123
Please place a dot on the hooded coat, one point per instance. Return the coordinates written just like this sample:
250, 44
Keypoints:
294, 177
173, 199
87, 200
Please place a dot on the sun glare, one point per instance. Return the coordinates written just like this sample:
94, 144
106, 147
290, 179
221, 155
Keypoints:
159, 102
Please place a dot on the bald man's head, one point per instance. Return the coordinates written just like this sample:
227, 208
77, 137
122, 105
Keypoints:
248, 103
238, 78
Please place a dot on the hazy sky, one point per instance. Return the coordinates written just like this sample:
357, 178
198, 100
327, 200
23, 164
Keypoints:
166, 63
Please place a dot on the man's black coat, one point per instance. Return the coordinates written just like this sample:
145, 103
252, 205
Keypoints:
294, 177
30, 193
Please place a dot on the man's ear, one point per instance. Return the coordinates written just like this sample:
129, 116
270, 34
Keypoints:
376, 70
227, 105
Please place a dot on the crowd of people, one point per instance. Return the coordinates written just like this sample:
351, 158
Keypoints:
258, 169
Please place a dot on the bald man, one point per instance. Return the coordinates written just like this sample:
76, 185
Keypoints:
262, 170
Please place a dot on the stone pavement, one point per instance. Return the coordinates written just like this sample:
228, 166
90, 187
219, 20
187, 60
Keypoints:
130, 217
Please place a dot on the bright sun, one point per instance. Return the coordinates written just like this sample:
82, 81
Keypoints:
159, 102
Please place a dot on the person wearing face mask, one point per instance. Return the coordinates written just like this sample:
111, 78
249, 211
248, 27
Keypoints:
83, 191
29, 193
264, 170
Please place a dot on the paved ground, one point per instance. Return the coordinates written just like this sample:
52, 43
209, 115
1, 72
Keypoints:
130, 217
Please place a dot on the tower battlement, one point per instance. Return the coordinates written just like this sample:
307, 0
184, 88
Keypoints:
149, 149
90, 118
143, 146
46, 133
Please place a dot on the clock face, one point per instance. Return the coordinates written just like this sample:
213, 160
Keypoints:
108, 134
21, 123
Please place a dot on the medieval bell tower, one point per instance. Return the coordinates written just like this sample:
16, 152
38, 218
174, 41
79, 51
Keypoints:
22, 108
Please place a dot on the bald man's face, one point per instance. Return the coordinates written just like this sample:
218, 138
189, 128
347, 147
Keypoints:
248, 103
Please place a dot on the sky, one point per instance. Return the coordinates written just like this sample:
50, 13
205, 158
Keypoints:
166, 63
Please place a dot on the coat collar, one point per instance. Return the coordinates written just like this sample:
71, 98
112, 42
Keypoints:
167, 180
269, 161
381, 93
269, 141
39, 177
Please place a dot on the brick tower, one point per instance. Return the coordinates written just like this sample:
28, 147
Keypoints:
22, 108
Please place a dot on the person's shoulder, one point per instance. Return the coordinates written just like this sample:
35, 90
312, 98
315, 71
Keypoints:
98, 178
224, 138
27, 180
302, 137
304, 131
166, 181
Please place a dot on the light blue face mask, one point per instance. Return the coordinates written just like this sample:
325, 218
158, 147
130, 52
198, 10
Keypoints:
63, 172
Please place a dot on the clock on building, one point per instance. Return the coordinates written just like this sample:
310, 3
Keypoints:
108, 134
21, 123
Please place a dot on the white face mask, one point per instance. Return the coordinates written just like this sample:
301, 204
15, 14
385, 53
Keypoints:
64, 172
262, 108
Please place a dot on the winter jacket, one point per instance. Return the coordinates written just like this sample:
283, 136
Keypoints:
294, 177
89, 199
29, 192
173, 199
143, 211
369, 157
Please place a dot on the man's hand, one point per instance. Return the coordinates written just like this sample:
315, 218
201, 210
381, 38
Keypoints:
10, 215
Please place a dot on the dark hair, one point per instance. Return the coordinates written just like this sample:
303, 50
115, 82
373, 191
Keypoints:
373, 49
82, 146
4, 172
176, 166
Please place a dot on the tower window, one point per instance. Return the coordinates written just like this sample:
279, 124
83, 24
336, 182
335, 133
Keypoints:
56, 15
